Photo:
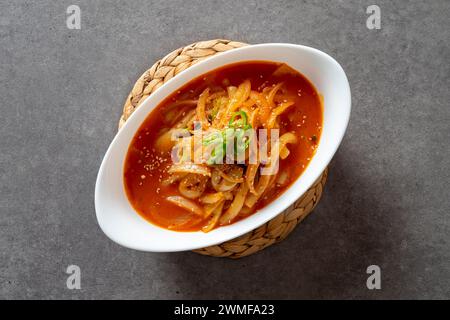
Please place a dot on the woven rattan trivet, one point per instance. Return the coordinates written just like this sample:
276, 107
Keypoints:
276, 229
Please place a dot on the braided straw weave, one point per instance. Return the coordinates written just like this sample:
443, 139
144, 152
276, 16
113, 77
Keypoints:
271, 232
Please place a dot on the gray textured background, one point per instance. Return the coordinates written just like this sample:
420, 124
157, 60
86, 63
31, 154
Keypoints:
386, 202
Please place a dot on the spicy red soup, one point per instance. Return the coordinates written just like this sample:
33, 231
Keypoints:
198, 190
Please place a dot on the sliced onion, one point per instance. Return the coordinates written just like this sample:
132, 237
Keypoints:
282, 177
165, 142
173, 178
187, 204
215, 218
288, 137
261, 186
212, 197
210, 207
187, 118
235, 206
232, 173
185, 221
220, 184
276, 112
189, 167
252, 170
201, 108
284, 152
193, 185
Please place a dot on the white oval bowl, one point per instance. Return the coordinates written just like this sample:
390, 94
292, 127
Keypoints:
122, 224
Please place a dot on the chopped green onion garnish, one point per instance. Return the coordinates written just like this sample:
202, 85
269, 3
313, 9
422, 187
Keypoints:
242, 122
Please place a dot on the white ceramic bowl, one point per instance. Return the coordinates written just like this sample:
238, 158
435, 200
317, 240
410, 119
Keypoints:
124, 225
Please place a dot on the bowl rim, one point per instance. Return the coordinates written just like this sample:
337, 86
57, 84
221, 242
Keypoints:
190, 74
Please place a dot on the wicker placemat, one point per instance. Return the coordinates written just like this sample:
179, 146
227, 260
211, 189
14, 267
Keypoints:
276, 229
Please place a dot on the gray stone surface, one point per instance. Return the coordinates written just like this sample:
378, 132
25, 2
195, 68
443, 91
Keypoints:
387, 200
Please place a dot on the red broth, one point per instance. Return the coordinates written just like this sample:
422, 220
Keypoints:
145, 168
